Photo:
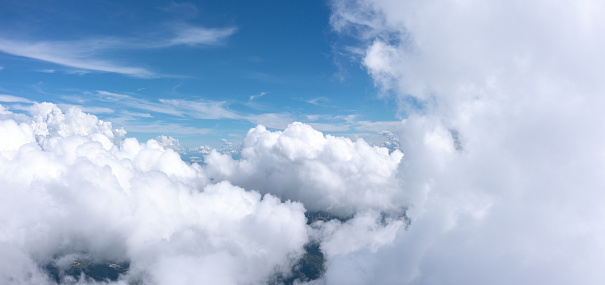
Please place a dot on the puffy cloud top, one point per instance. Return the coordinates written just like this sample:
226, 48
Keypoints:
325, 173
70, 192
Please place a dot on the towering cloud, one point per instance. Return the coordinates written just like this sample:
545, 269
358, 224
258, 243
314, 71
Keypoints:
516, 199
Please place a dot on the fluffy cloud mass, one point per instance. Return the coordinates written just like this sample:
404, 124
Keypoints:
499, 179
77, 191
516, 85
73, 190
326, 173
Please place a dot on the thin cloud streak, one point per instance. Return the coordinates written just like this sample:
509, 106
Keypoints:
87, 55
138, 103
197, 109
195, 36
131, 124
69, 54
93, 110
258, 96
202, 109
13, 99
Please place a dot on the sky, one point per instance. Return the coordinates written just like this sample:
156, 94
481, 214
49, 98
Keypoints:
491, 169
198, 72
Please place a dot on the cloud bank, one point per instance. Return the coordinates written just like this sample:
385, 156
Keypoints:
74, 189
514, 86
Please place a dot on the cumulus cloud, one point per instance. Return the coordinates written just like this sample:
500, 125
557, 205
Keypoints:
501, 182
325, 173
74, 189
503, 154
169, 142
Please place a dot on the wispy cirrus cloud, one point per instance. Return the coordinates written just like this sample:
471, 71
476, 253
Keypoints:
132, 123
137, 103
202, 109
196, 109
182, 10
378, 126
4, 98
199, 109
137, 114
271, 120
194, 36
75, 54
90, 55
317, 101
13, 99
258, 95
87, 109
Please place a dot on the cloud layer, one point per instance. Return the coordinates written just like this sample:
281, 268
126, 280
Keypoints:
74, 189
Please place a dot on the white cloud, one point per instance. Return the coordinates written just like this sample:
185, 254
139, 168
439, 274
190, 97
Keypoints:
138, 103
271, 120
324, 127
199, 109
519, 83
258, 96
134, 124
47, 70
94, 110
70, 54
317, 101
325, 173
169, 142
137, 114
193, 36
202, 109
378, 126
73, 189
521, 202
185, 10
94, 194
13, 99
88, 54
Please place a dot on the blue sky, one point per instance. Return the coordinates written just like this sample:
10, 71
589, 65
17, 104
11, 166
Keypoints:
197, 71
